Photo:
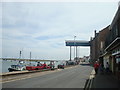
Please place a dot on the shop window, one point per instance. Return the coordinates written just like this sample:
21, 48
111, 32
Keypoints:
117, 60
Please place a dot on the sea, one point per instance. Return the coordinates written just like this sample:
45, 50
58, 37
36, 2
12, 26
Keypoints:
5, 64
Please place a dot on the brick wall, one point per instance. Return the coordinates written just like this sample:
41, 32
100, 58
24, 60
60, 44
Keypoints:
97, 44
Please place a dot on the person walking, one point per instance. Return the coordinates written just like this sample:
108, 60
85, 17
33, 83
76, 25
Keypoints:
107, 68
101, 68
96, 66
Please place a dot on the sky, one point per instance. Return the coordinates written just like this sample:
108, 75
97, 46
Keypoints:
42, 27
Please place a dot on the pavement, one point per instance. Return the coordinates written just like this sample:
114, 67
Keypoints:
105, 80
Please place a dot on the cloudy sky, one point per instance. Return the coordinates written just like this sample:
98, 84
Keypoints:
43, 27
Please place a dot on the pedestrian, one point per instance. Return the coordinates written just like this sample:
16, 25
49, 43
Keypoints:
96, 66
101, 67
107, 67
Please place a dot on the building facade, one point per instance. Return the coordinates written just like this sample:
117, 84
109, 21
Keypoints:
105, 46
112, 45
97, 45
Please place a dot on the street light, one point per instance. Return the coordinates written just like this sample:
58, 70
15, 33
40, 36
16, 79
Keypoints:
74, 46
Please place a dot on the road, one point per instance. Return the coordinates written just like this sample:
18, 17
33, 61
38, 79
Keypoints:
72, 77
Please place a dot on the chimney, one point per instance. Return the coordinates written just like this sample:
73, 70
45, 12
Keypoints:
91, 39
95, 33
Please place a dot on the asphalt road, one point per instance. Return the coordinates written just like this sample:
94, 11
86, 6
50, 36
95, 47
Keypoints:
73, 77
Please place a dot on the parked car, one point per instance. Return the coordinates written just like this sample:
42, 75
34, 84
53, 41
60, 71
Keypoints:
61, 66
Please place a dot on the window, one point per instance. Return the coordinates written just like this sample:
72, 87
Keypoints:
101, 44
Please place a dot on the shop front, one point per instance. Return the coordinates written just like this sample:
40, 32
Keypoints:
116, 58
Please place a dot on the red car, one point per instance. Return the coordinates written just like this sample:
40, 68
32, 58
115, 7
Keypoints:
42, 66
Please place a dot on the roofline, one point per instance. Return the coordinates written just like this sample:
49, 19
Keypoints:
115, 17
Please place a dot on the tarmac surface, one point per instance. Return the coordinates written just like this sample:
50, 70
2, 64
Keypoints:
72, 77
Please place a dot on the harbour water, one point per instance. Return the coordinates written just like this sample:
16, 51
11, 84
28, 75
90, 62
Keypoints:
7, 63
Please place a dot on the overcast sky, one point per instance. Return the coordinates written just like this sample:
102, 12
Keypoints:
43, 27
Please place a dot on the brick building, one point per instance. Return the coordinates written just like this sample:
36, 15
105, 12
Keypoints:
105, 46
97, 45
112, 45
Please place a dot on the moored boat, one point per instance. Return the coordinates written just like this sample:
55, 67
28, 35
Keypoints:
17, 68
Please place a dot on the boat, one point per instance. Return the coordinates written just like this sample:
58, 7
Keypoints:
17, 68
38, 67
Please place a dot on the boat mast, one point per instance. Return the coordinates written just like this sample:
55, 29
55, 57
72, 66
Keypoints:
20, 54
30, 55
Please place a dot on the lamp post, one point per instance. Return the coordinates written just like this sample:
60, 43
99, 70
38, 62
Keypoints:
74, 46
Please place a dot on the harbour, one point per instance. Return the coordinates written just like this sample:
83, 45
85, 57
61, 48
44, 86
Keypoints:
7, 63
74, 45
